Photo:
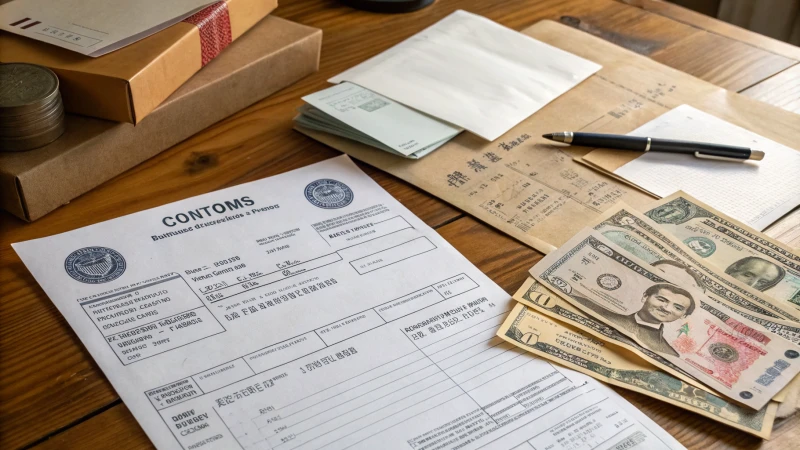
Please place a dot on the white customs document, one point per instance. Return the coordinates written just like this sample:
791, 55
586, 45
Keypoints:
312, 310
473, 73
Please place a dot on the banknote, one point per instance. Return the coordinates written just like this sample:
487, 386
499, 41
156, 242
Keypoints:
574, 349
742, 252
537, 297
723, 350
641, 237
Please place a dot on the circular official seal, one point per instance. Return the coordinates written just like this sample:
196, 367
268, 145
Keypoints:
791, 354
703, 246
723, 352
609, 281
329, 194
95, 265
747, 395
675, 212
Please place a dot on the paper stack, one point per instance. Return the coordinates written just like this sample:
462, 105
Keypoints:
359, 114
464, 72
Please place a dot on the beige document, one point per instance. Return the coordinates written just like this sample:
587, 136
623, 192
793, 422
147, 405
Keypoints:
576, 350
530, 188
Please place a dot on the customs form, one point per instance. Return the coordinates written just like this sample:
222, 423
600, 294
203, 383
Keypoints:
312, 310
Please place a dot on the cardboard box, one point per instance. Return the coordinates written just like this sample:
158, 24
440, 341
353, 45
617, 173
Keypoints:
271, 56
128, 84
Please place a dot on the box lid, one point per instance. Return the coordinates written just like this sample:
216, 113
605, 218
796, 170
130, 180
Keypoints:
127, 84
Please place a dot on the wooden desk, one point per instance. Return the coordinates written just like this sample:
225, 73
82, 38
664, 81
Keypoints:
52, 395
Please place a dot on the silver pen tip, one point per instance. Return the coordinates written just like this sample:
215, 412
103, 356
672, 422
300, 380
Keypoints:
757, 155
561, 136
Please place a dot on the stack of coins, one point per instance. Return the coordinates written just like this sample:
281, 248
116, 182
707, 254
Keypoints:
31, 112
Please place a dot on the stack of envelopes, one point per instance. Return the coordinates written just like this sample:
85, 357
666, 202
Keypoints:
464, 72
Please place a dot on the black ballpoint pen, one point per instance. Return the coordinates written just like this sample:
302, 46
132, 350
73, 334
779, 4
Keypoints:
701, 150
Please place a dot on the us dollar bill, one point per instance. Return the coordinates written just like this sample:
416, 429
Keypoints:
544, 301
537, 297
723, 350
740, 251
574, 349
641, 237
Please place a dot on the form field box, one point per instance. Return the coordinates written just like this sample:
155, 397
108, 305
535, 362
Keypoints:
408, 304
392, 255
223, 375
349, 327
456, 285
283, 352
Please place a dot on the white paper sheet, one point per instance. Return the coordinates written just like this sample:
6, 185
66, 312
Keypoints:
312, 310
93, 27
755, 192
398, 127
473, 73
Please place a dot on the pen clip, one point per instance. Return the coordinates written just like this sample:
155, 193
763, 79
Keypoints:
718, 158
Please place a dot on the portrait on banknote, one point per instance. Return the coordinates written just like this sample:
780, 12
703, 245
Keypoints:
661, 303
756, 272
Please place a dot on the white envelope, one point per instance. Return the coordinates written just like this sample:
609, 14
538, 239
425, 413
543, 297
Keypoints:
473, 73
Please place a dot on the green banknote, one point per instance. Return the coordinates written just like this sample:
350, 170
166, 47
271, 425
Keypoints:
643, 238
545, 301
740, 251
666, 313
572, 348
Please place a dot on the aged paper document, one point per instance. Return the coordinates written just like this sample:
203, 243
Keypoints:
312, 310
531, 189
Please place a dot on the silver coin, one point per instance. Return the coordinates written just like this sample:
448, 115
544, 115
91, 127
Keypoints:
18, 144
26, 85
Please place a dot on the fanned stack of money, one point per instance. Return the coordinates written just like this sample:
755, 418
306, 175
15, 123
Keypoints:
31, 111
680, 303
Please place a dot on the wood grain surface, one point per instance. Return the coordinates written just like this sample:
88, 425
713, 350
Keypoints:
52, 395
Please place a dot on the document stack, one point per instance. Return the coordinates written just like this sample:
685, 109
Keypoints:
460, 73
359, 114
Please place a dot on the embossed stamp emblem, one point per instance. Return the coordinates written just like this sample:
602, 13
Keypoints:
329, 194
609, 281
95, 265
723, 352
